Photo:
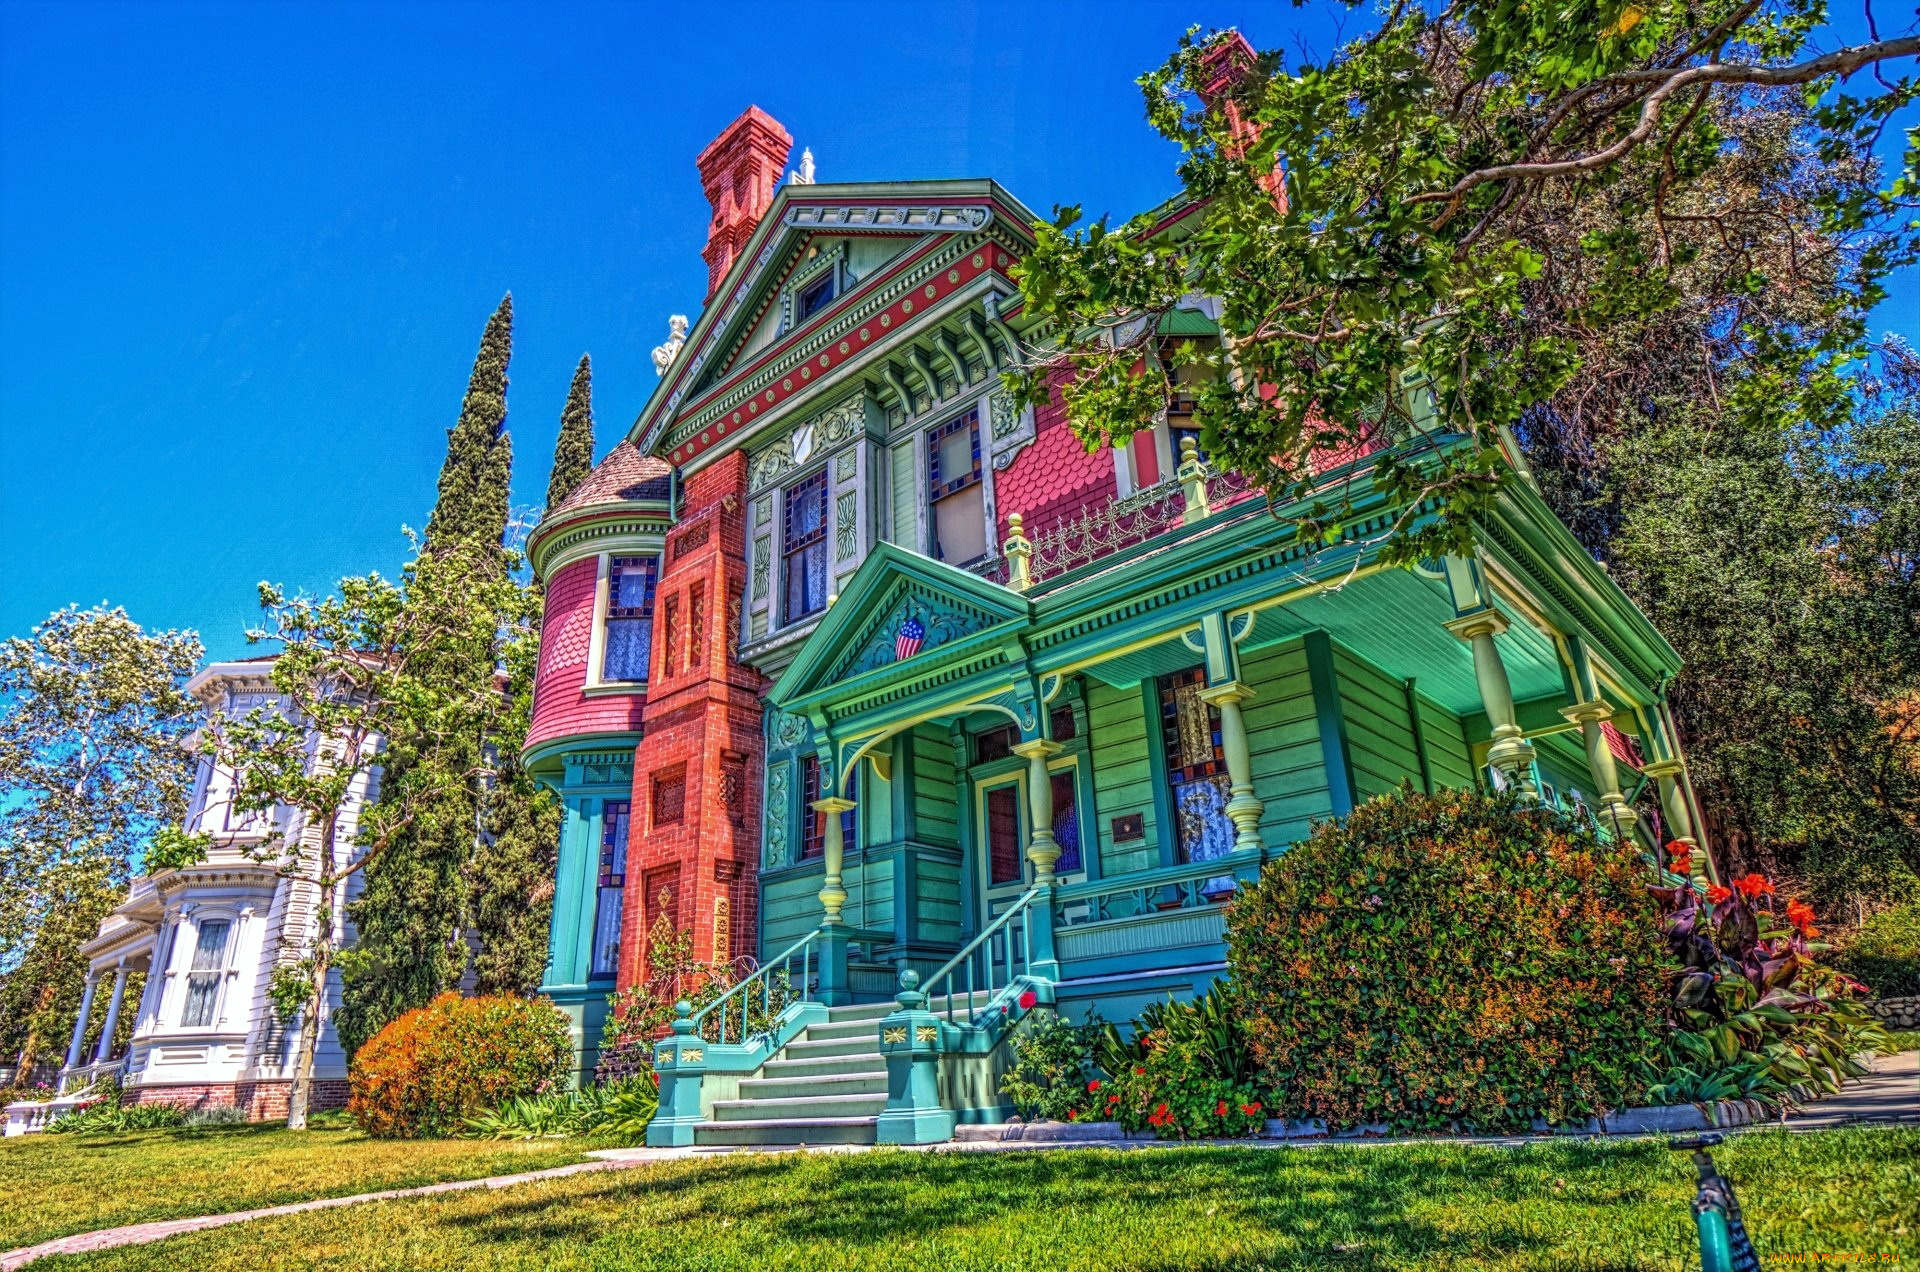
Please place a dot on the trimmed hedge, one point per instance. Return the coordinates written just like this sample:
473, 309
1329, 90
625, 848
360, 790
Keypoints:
1450, 959
435, 1066
1885, 953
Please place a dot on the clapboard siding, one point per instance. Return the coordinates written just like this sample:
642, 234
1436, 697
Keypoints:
1449, 762
937, 898
1123, 777
1380, 741
1283, 734
904, 488
936, 800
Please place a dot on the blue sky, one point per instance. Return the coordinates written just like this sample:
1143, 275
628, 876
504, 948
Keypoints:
246, 251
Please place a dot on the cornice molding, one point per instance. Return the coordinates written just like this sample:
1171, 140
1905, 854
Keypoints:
610, 526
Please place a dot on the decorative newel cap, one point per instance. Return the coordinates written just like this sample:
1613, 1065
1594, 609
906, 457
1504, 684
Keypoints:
1019, 550
910, 998
1192, 475
683, 1013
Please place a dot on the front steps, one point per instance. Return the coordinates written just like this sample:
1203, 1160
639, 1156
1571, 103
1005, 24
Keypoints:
827, 1086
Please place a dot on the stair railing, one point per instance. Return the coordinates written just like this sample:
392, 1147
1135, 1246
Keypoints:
772, 1001
991, 961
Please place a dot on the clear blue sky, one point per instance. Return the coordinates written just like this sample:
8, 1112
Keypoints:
246, 250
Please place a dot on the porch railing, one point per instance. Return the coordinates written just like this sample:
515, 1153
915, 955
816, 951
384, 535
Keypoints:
988, 964
1192, 886
760, 985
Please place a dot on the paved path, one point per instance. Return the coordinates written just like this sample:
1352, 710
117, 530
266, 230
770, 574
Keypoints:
1889, 1095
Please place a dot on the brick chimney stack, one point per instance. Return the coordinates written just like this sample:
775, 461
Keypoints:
1226, 63
739, 170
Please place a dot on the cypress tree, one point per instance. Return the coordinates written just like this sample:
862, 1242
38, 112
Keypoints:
573, 451
412, 910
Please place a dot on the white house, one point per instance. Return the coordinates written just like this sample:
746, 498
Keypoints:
209, 936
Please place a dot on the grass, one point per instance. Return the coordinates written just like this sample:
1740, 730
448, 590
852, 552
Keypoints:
1561, 1205
1899, 1040
53, 1185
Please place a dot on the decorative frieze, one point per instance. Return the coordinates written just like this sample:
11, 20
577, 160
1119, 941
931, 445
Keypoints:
809, 438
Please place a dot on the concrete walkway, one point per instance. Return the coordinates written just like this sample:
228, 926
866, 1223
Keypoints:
1888, 1096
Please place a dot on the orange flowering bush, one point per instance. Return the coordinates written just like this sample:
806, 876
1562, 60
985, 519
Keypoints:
433, 1067
1449, 958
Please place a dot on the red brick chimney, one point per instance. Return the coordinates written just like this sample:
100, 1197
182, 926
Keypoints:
739, 170
1226, 62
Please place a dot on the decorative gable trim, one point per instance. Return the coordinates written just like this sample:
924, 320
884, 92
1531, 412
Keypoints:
940, 619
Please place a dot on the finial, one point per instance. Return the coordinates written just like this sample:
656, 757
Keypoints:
805, 175
683, 1014
909, 979
663, 355
831, 598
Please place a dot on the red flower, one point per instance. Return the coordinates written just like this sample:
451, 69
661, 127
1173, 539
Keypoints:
1800, 914
1682, 862
1094, 1085
1072, 1114
1678, 849
1248, 1110
1139, 1073
1754, 885
1028, 999
1113, 1099
1220, 1109
1717, 894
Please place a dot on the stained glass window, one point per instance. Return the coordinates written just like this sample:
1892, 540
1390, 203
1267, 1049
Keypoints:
1003, 833
1196, 768
629, 629
612, 887
814, 842
1066, 822
203, 976
805, 548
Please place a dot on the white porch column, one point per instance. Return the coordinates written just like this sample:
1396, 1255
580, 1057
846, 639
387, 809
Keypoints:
80, 1025
104, 1051
1243, 807
1614, 809
1510, 753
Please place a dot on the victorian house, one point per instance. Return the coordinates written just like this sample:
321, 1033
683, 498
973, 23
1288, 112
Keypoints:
869, 680
203, 941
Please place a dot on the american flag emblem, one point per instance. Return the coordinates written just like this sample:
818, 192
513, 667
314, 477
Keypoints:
906, 642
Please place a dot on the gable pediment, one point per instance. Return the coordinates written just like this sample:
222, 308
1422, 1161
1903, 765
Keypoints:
899, 609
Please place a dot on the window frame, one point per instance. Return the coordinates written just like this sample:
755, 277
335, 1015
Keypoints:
811, 843
215, 976
937, 488
820, 541
596, 682
613, 852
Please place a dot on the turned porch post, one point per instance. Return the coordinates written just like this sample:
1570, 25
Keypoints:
104, 1052
1243, 807
833, 899
1042, 850
80, 1025
1510, 753
1615, 811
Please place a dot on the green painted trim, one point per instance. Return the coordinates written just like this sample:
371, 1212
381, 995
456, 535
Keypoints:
1332, 721
541, 760
1157, 766
1419, 735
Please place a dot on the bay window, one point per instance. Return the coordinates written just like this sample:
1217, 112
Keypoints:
629, 623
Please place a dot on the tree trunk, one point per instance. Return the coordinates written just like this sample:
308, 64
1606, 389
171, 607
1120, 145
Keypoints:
302, 1093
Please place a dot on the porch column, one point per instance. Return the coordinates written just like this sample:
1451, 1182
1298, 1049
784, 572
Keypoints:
1615, 811
1042, 850
1673, 800
80, 1025
833, 892
1510, 753
105, 1050
1243, 807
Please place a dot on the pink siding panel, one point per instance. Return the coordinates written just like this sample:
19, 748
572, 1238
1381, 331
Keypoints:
561, 708
1055, 477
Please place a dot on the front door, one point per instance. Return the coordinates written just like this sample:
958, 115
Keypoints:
1002, 818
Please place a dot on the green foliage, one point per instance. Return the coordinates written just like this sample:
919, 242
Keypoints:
93, 711
1053, 1075
617, 1111
434, 1067
289, 986
1188, 1072
1467, 207
110, 1115
175, 849
573, 449
214, 1115
1449, 959
1884, 953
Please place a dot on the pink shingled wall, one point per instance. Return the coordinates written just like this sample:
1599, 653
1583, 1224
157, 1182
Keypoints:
1053, 478
560, 708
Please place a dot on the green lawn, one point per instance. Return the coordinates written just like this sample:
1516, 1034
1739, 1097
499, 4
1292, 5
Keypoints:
1562, 1205
52, 1185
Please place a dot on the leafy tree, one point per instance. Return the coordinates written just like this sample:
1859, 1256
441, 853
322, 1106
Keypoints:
346, 685
93, 714
415, 913
1396, 247
573, 450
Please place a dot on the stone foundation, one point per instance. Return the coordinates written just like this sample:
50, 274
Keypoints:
1898, 1013
263, 1101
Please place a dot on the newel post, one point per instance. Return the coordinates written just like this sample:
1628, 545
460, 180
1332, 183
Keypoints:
680, 1060
910, 1043
1192, 475
1019, 551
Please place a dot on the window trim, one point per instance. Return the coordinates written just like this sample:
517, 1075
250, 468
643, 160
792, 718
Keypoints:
220, 974
597, 634
926, 439
600, 850
784, 551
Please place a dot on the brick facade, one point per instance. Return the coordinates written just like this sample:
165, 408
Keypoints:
695, 828
263, 1101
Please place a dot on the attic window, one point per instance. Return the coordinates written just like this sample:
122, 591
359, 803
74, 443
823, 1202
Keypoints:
814, 297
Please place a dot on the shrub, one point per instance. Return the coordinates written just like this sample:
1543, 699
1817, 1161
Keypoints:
617, 1110
1752, 1013
434, 1066
108, 1116
1187, 1073
216, 1115
1449, 958
1885, 953
1053, 1075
